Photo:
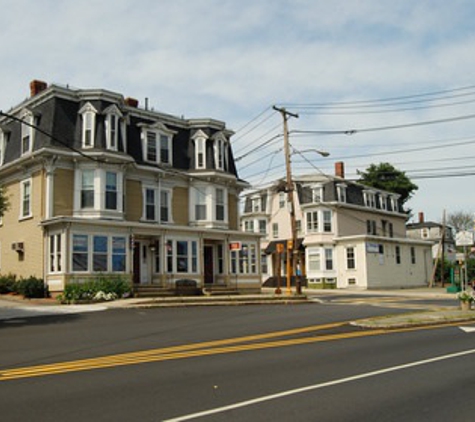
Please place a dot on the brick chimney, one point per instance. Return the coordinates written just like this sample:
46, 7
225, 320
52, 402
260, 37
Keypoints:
131, 102
421, 217
37, 86
340, 169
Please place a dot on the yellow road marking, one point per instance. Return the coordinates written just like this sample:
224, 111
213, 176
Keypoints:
195, 350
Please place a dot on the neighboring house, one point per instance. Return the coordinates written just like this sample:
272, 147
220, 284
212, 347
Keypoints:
98, 185
349, 235
432, 232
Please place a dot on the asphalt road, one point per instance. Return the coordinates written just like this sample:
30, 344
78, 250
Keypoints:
243, 363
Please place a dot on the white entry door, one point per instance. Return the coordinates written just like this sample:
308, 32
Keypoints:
145, 263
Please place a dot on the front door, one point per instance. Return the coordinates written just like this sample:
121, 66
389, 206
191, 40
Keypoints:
142, 263
209, 265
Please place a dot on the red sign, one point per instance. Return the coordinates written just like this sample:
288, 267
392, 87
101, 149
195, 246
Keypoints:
235, 246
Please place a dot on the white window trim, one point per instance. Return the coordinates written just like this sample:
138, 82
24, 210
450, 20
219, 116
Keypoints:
159, 129
200, 139
88, 110
56, 256
3, 145
169, 193
224, 204
341, 192
100, 180
90, 252
354, 258
113, 142
24, 216
256, 203
220, 151
174, 255
26, 129
317, 193
146, 188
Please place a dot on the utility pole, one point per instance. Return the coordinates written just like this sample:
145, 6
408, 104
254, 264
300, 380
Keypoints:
291, 246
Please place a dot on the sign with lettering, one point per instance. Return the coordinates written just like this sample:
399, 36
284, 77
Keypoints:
464, 238
235, 246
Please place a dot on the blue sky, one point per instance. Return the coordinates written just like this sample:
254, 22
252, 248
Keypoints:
233, 59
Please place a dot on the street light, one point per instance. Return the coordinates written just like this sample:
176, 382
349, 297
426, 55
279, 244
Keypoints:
322, 153
292, 250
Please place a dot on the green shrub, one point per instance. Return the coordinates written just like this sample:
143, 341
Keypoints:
7, 284
31, 287
98, 289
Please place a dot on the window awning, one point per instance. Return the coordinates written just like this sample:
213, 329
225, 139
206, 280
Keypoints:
272, 246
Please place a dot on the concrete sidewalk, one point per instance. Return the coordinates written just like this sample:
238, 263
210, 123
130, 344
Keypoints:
15, 306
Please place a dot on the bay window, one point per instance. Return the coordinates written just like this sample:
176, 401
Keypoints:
99, 253
245, 260
182, 256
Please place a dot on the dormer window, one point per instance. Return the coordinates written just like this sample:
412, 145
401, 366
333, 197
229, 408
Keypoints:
221, 152
341, 192
394, 203
256, 204
88, 113
157, 144
317, 194
3, 145
199, 139
113, 119
27, 133
369, 199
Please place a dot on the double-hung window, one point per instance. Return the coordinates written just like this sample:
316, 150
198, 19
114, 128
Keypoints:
157, 144
220, 204
200, 153
87, 189
88, 114
314, 260
157, 204
27, 133
100, 253
3, 145
220, 154
164, 149
55, 257
327, 221
80, 252
165, 206
200, 204
151, 151
312, 221
111, 191
112, 122
25, 206
150, 204
350, 258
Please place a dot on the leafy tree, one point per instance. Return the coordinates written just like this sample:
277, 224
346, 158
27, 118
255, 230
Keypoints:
460, 220
385, 176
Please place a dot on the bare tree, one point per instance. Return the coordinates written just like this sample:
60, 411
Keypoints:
460, 220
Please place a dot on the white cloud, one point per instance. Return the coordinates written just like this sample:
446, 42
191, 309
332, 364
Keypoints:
230, 59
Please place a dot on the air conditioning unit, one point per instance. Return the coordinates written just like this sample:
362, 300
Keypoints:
18, 246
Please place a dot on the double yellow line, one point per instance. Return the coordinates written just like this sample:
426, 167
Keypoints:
232, 345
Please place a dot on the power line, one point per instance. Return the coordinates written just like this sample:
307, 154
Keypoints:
382, 128
382, 100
